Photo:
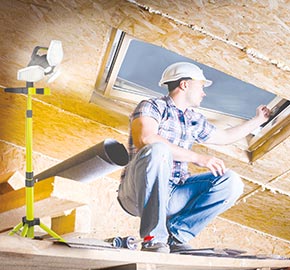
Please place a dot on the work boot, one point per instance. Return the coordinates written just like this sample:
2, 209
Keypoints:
154, 246
180, 247
176, 246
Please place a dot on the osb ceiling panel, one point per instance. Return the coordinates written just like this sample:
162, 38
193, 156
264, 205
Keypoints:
56, 133
245, 23
262, 171
281, 183
265, 211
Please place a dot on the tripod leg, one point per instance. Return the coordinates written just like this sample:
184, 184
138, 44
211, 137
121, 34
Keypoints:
51, 232
16, 228
25, 230
30, 232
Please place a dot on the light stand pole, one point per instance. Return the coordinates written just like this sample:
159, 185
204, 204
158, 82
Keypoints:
29, 221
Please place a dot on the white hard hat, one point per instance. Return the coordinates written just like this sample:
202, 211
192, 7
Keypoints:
180, 70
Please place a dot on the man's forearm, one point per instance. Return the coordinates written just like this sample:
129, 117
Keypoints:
233, 134
238, 132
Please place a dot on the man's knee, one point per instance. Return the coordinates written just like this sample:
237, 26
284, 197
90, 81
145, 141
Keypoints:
235, 184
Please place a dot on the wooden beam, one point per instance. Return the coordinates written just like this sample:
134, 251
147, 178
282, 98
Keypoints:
52, 197
269, 143
79, 220
11, 181
21, 253
64, 224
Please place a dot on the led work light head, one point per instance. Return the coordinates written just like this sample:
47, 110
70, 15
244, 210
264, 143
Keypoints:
42, 65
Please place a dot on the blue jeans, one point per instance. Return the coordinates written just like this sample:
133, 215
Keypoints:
168, 209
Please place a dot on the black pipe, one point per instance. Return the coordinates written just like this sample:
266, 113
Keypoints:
97, 161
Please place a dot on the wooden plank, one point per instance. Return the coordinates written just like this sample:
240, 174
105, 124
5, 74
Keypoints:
264, 211
52, 197
11, 181
45, 255
64, 224
79, 220
268, 144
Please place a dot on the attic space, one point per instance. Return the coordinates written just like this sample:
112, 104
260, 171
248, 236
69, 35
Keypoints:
113, 56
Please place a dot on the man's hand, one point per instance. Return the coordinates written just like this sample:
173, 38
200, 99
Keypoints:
263, 113
216, 165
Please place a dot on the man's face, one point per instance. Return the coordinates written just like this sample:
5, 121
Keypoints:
194, 92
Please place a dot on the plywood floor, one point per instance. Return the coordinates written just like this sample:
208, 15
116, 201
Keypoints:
17, 253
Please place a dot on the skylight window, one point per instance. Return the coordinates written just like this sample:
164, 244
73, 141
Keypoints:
142, 65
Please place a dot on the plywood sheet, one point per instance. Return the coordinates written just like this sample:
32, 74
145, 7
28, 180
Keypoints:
42, 254
261, 171
281, 184
50, 124
250, 23
265, 211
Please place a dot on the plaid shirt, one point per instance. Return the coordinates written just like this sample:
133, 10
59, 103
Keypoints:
182, 129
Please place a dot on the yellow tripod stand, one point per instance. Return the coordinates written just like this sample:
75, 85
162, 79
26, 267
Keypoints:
29, 221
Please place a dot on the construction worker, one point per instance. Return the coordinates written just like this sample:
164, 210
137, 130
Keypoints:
174, 206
